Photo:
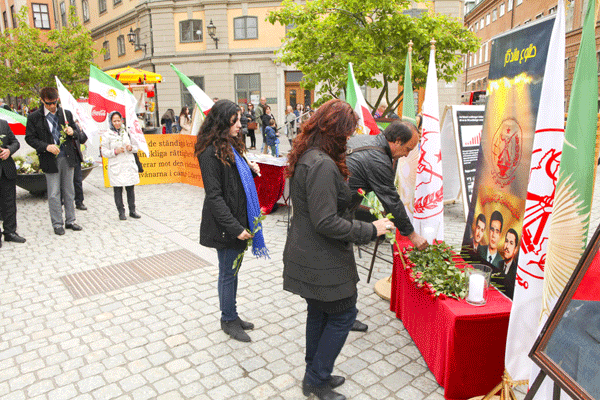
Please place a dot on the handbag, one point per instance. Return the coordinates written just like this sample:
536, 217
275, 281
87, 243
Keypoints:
252, 125
138, 162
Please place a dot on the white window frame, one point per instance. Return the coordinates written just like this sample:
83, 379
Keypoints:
509, 6
502, 9
106, 47
38, 15
487, 19
245, 36
120, 45
494, 14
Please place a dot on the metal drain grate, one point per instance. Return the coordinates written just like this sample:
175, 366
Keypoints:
106, 279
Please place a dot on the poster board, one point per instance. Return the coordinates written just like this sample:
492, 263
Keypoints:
467, 123
568, 347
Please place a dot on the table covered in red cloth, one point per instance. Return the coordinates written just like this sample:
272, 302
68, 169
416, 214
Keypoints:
463, 345
269, 185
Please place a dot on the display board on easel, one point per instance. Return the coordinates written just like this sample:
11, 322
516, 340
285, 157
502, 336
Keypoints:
568, 348
461, 135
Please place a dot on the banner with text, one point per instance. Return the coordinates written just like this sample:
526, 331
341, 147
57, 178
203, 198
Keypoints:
171, 160
495, 219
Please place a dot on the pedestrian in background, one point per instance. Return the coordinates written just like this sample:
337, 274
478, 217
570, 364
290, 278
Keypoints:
185, 122
230, 206
252, 126
290, 123
119, 149
167, 120
8, 184
244, 121
318, 259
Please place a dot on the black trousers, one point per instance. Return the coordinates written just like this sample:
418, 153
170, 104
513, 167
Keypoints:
252, 137
8, 203
118, 191
78, 184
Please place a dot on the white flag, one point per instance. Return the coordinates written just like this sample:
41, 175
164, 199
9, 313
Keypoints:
133, 123
68, 102
428, 217
545, 159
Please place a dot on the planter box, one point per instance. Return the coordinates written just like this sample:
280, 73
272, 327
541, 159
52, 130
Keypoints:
36, 183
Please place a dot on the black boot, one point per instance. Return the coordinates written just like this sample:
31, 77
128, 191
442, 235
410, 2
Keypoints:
245, 325
234, 329
131, 202
322, 392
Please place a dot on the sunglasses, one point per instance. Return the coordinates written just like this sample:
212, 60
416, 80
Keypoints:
50, 103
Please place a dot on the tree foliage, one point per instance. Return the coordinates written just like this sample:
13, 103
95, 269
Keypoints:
31, 60
374, 36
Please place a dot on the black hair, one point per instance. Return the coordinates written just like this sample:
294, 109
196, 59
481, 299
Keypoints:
481, 218
496, 216
215, 131
402, 130
511, 230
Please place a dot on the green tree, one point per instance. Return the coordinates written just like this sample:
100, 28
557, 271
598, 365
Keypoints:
372, 34
31, 61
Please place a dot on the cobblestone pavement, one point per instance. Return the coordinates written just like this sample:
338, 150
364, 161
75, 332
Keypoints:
161, 339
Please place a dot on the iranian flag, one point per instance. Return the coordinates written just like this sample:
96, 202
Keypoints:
15, 121
69, 103
204, 102
366, 122
570, 217
428, 216
106, 95
406, 170
545, 159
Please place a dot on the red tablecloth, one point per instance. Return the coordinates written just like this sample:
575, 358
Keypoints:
463, 345
269, 185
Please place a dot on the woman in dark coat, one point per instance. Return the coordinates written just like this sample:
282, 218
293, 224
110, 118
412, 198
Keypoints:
318, 257
230, 205
251, 118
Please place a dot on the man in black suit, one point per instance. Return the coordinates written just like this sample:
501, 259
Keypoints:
8, 189
56, 160
508, 267
490, 252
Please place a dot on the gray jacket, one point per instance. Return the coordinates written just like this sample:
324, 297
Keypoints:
372, 170
318, 257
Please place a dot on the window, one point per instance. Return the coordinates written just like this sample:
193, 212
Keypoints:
186, 97
41, 16
116, 2
5, 20
63, 13
106, 47
482, 23
527, 21
519, 2
12, 16
502, 9
486, 51
85, 7
487, 19
510, 5
245, 28
247, 87
121, 45
494, 14
480, 54
540, 15
73, 4
138, 39
552, 10
101, 6
190, 31
566, 68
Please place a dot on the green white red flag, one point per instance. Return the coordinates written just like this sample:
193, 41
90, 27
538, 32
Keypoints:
84, 119
570, 219
366, 122
202, 100
545, 159
106, 95
406, 171
15, 121
428, 216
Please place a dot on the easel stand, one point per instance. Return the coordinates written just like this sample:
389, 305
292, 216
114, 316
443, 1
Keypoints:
536, 386
505, 388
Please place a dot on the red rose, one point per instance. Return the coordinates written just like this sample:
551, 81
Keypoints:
442, 296
361, 192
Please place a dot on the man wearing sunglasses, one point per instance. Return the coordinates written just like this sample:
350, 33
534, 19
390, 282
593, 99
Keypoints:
57, 161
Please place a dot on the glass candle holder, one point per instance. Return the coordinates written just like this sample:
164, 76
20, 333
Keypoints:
478, 281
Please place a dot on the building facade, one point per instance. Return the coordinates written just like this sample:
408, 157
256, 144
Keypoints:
489, 18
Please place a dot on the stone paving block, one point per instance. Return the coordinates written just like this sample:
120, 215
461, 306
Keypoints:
91, 383
409, 393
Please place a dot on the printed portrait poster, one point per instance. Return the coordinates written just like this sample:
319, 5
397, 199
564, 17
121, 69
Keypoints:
494, 224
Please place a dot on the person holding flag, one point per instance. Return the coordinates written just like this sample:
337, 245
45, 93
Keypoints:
8, 188
52, 132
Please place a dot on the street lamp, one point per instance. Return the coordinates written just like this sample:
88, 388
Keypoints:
132, 37
212, 32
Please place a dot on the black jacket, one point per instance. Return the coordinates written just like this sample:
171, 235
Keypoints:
38, 136
10, 142
372, 170
318, 257
224, 214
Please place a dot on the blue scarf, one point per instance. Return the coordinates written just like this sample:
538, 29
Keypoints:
259, 249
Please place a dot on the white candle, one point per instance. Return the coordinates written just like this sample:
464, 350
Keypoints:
476, 286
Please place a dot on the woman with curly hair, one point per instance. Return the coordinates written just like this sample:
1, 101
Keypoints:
318, 257
230, 205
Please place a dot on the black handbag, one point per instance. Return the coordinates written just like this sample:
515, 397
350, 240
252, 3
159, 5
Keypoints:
138, 162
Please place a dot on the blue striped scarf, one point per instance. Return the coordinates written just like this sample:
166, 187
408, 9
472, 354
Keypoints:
259, 249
